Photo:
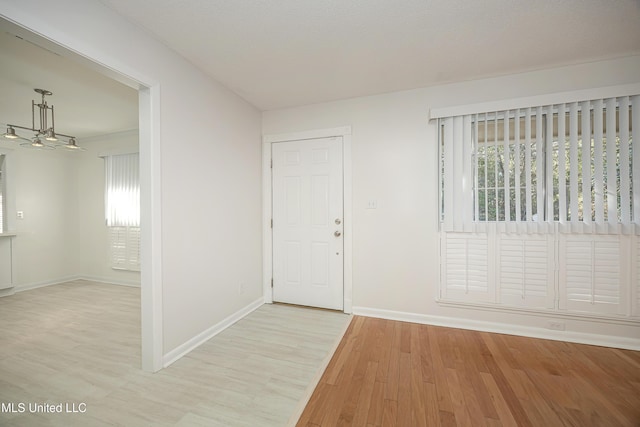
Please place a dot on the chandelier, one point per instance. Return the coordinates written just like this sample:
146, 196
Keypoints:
46, 128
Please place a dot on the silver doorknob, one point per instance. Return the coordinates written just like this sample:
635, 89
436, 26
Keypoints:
337, 233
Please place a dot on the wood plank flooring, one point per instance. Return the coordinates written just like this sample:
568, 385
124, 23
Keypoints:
387, 373
80, 343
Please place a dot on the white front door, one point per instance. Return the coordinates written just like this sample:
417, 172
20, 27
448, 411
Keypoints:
307, 188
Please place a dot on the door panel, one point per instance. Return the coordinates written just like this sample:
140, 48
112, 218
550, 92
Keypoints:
308, 257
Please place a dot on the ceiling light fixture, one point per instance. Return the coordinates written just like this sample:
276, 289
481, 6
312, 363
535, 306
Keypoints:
36, 143
11, 133
45, 115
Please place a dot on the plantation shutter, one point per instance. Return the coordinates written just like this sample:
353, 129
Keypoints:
465, 267
591, 275
125, 248
526, 270
133, 246
118, 244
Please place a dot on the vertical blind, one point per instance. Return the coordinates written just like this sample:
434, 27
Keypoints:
571, 166
122, 192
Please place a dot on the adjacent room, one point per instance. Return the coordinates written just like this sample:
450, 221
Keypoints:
57, 190
418, 212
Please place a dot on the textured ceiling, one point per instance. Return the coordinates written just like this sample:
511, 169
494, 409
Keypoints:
279, 53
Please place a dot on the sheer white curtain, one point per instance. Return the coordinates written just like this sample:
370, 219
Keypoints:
122, 190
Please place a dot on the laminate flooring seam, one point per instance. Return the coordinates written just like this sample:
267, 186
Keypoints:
79, 343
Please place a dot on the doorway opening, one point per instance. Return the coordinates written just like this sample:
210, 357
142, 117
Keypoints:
150, 212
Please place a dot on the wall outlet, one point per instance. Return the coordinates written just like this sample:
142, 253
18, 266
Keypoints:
556, 326
20, 214
372, 204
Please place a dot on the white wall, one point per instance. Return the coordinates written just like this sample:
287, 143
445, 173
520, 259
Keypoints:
209, 142
45, 191
61, 194
93, 238
395, 247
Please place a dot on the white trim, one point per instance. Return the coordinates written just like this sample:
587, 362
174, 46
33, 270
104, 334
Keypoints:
67, 279
209, 333
7, 292
267, 242
302, 403
308, 134
111, 281
73, 278
267, 236
150, 228
347, 194
35, 285
37, 29
622, 320
548, 99
503, 328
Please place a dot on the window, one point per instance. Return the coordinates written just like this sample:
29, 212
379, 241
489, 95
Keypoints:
122, 210
505, 155
540, 207
2, 195
568, 163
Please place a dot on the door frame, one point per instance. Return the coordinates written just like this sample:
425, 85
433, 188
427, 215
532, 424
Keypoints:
36, 29
267, 236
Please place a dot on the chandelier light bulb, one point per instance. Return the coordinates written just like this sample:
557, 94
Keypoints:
50, 135
11, 133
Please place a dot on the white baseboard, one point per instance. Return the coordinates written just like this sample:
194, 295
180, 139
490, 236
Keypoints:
111, 281
502, 328
7, 291
36, 285
214, 330
104, 280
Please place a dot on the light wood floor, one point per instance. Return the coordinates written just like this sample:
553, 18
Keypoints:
80, 343
392, 373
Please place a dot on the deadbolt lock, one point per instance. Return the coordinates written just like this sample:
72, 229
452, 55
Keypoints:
338, 222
